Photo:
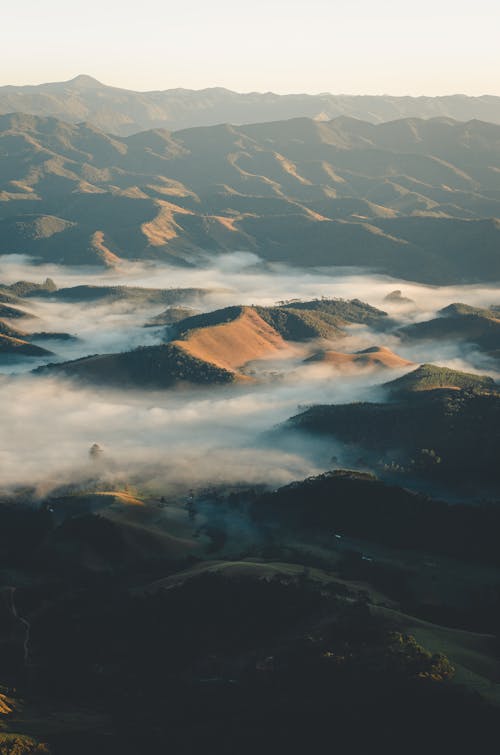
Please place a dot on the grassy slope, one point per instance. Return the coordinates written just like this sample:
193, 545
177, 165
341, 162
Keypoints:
212, 347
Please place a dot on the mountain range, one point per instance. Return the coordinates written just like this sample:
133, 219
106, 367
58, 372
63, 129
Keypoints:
124, 112
412, 198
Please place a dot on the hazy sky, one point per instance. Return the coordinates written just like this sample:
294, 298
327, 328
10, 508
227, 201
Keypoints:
351, 46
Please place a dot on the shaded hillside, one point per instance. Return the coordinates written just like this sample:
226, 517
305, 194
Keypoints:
273, 663
19, 347
345, 310
171, 316
116, 533
412, 198
9, 330
17, 342
146, 367
131, 635
134, 295
441, 425
122, 111
361, 506
373, 357
460, 322
321, 318
13, 313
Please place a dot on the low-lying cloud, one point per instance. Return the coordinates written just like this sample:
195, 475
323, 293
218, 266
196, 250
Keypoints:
193, 437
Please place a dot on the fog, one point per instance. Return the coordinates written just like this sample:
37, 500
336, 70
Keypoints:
249, 280
167, 438
187, 437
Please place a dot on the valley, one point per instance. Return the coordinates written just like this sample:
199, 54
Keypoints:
249, 390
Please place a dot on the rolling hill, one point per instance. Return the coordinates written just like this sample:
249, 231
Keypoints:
373, 357
132, 295
146, 367
440, 425
462, 323
429, 377
213, 348
20, 347
360, 505
412, 198
236, 336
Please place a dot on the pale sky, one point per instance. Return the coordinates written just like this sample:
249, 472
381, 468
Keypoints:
342, 46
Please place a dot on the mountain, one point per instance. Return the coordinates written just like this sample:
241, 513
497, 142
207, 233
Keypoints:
430, 377
146, 367
124, 112
440, 425
215, 347
412, 198
20, 348
373, 357
229, 338
170, 316
131, 295
360, 505
14, 313
462, 323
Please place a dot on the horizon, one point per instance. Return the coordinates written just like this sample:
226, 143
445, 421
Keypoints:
103, 83
434, 50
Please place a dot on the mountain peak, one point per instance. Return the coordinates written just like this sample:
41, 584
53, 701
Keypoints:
82, 81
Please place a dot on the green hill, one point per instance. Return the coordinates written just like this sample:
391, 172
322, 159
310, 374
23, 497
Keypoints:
459, 322
359, 505
299, 320
430, 377
171, 316
439, 425
146, 367
135, 295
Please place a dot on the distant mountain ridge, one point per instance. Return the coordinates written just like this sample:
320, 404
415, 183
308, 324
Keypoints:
124, 112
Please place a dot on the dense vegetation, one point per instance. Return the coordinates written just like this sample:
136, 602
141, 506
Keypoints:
134, 295
429, 377
441, 425
145, 367
361, 506
168, 656
459, 323
233, 664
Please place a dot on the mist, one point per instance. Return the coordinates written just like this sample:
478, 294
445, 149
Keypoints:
182, 438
